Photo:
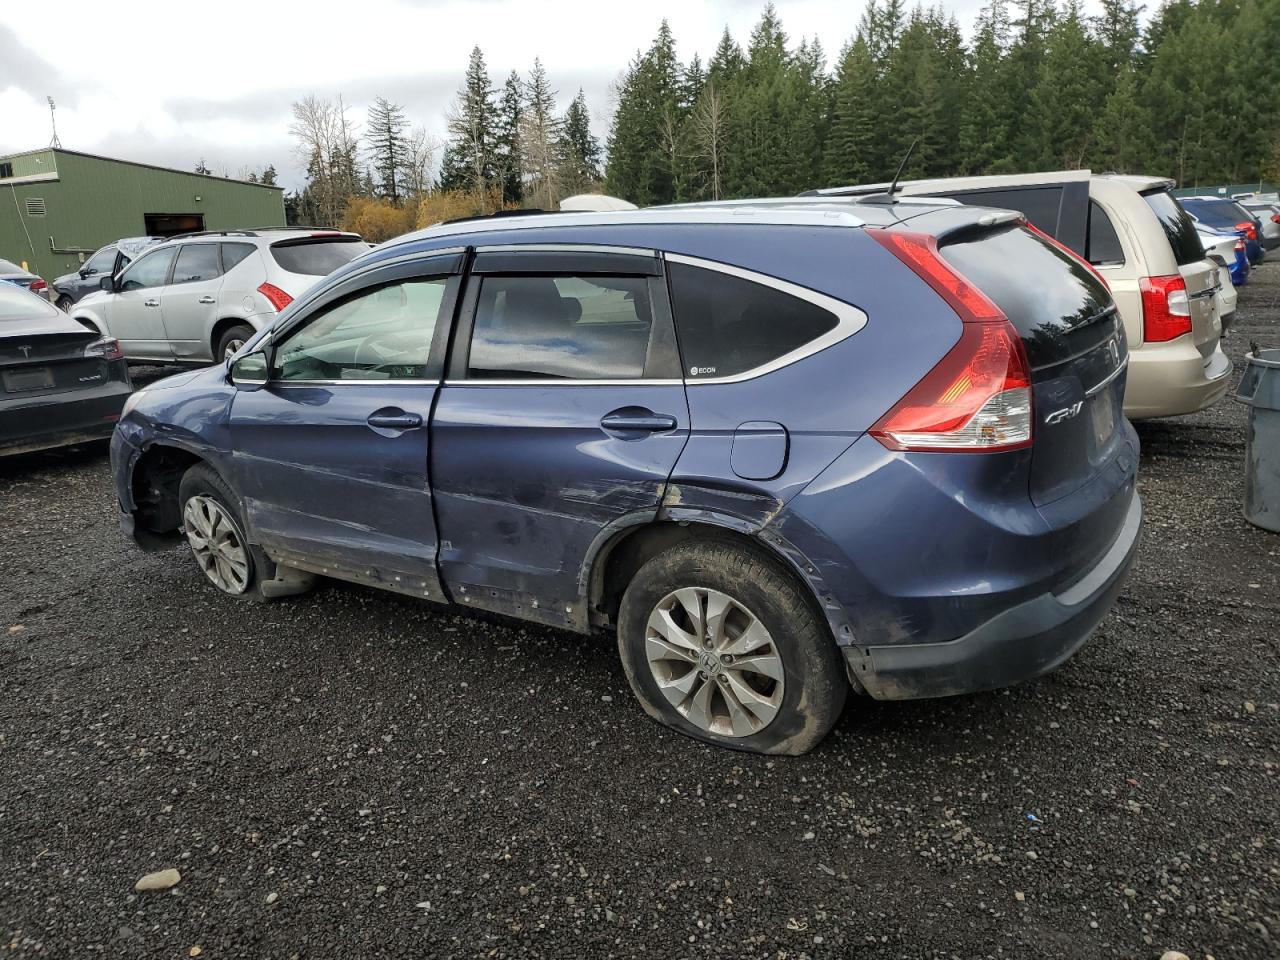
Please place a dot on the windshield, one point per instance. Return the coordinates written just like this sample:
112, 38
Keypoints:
1177, 225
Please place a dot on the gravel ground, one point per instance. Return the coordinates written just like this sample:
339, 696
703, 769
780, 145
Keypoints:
351, 774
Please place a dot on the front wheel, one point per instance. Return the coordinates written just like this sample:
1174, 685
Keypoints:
214, 527
722, 644
65, 303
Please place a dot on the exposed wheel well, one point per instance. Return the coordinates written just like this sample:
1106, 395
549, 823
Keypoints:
623, 557
87, 324
156, 476
221, 327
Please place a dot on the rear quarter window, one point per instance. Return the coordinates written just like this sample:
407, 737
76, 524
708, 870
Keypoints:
1041, 205
1177, 225
1104, 243
727, 325
316, 258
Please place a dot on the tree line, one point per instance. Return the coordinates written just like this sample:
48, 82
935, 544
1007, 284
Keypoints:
1194, 94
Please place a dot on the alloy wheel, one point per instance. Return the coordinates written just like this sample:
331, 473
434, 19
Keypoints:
216, 543
232, 348
714, 661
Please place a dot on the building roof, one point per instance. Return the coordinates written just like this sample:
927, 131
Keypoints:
134, 163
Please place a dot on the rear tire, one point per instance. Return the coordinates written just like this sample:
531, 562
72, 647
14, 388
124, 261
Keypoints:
767, 677
214, 526
232, 339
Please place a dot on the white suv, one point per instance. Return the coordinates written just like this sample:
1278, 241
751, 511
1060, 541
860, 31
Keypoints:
199, 297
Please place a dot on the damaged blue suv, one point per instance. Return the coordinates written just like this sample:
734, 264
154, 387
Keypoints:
784, 449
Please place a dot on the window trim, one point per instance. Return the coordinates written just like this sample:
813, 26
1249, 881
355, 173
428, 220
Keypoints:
849, 319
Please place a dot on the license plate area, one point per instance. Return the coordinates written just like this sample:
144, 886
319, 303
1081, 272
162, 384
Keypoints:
1102, 410
28, 379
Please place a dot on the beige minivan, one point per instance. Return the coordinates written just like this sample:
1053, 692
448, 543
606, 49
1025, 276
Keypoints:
1146, 247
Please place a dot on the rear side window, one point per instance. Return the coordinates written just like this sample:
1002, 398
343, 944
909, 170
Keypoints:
1219, 211
316, 258
1177, 225
728, 325
197, 261
1040, 205
1045, 292
233, 254
1104, 242
561, 328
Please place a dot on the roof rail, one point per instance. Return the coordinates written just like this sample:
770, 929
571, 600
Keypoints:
211, 233
302, 226
498, 214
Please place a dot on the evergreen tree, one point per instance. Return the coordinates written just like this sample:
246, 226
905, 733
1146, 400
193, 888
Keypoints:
853, 154
1121, 131
579, 150
387, 148
268, 176
984, 130
644, 136
507, 162
1065, 99
469, 158
540, 141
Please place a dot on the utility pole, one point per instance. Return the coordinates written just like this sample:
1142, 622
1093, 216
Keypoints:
55, 143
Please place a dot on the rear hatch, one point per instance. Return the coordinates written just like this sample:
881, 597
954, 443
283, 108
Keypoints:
1075, 347
307, 258
1198, 273
47, 357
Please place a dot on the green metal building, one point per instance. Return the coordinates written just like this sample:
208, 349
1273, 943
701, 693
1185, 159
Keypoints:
58, 206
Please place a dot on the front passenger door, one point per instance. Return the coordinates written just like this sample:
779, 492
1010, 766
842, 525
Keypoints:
331, 455
191, 300
135, 312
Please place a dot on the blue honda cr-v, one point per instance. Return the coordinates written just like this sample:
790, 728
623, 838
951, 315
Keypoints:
781, 448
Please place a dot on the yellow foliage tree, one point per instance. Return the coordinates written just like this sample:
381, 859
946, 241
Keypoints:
440, 205
377, 219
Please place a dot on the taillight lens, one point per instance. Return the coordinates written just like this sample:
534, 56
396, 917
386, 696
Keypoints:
1275, 218
277, 297
1249, 229
1166, 311
108, 348
978, 396
37, 285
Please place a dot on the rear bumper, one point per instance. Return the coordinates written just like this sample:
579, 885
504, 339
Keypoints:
60, 419
1167, 380
1023, 642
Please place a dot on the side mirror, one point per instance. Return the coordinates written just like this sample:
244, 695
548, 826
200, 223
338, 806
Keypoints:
250, 371
107, 284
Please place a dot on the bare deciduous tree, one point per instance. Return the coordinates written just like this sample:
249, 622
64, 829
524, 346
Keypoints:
708, 134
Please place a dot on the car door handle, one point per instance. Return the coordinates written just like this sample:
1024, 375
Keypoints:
151, 303
638, 420
394, 420
206, 299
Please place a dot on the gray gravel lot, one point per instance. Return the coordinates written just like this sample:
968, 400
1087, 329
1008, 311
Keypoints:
353, 774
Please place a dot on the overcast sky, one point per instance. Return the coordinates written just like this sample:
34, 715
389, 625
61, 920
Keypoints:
151, 82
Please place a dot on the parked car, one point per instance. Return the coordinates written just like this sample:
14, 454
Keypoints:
59, 383
1218, 247
1267, 212
706, 429
16, 275
1133, 231
70, 288
199, 297
1223, 214
1229, 246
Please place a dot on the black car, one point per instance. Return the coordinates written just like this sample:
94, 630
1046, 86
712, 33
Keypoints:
60, 383
107, 262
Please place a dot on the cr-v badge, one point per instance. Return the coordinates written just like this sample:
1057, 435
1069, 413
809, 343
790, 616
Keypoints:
1066, 413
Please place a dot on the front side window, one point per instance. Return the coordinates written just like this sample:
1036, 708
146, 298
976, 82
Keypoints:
197, 261
561, 328
149, 271
101, 262
729, 325
380, 334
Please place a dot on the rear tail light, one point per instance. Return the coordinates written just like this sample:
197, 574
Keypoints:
277, 297
1275, 218
1249, 229
1239, 247
1069, 252
37, 285
978, 396
108, 348
1166, 310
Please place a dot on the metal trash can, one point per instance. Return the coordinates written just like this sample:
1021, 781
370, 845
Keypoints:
1260, 389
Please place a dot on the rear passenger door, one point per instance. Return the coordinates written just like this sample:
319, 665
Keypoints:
191, 300
561, 419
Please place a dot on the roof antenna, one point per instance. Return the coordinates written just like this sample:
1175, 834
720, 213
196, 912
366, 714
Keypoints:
55, 143
887, 197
